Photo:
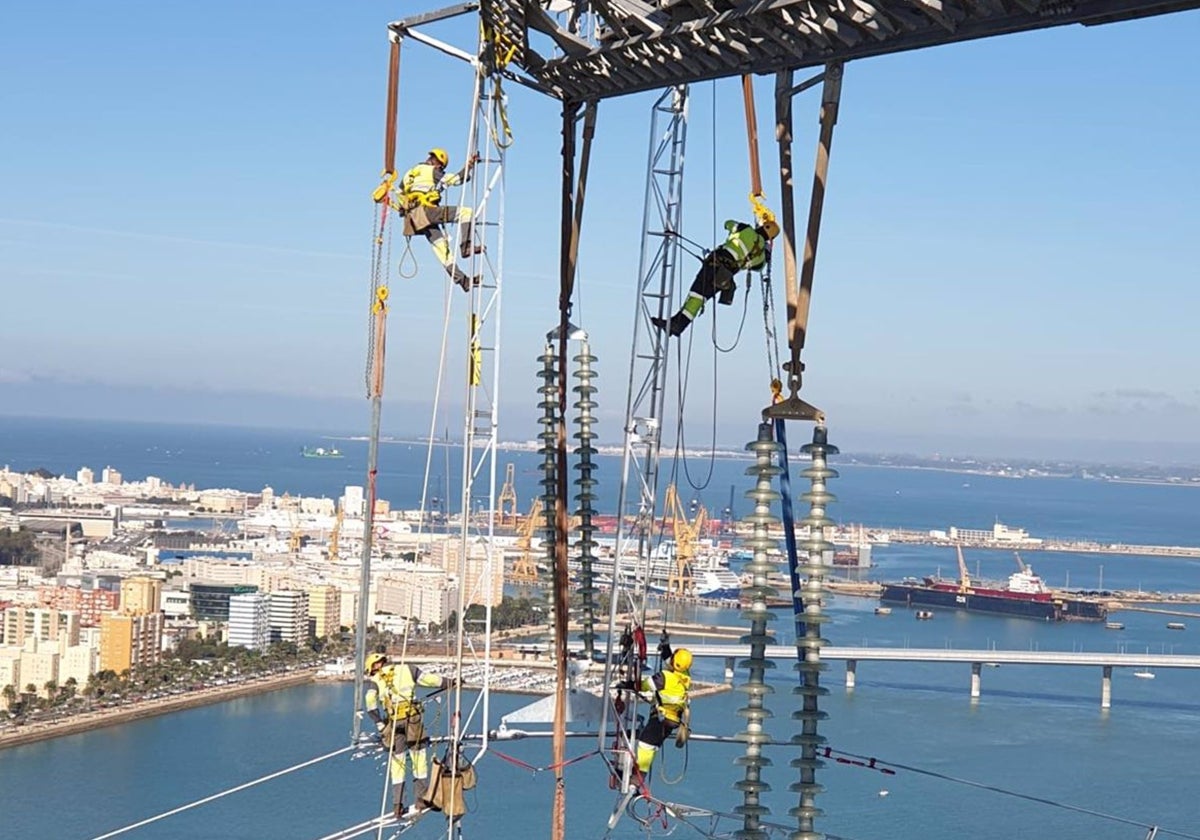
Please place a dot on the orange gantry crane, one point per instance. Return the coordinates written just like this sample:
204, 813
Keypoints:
682, 582
524, 568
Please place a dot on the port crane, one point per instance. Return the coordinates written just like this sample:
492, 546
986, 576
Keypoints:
1020, 563
964, 577
506, 502
294, 539
681, 582
524, 569
335, 534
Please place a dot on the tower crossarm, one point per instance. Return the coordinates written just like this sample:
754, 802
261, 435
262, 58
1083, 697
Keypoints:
637, 45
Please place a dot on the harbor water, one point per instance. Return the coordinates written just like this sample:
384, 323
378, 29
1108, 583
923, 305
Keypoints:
963, 768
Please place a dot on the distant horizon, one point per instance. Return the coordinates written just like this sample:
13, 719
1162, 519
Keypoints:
950, 448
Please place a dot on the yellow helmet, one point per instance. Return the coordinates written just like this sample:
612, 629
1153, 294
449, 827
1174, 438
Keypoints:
771, 228
682, 660
375, 661
440, 154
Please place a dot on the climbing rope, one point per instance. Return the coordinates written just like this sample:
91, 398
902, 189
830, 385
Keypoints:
741, 325
408, 257
772, 335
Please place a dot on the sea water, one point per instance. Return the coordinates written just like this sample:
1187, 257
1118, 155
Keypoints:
963, 768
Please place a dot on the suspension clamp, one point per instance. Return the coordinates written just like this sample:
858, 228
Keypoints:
791, 408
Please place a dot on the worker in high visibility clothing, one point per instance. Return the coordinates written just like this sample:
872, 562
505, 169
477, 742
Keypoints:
746, 248
393, 687
670, 711
421, 202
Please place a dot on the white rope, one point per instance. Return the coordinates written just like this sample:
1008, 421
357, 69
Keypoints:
387, 777
224, 793
433, 418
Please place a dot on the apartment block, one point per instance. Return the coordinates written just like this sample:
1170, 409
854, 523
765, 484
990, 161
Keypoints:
249, 621
38, 667
130, 641
288, 616
482, 582
22, 623
89, 603
324, 611
426, 595
10, 670
140, 595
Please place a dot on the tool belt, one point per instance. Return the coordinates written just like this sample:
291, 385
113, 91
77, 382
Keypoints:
416, 218
405, 730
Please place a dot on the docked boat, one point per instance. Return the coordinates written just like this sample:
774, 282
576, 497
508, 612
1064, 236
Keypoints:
924, 615
1114, 625
711, 576
1025, 595
1176, 625
883, 611
1144, 675
320, 452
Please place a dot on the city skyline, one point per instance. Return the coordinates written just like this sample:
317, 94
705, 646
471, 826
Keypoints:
1004, 262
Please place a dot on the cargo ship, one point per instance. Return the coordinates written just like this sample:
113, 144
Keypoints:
1025, 595
320, 452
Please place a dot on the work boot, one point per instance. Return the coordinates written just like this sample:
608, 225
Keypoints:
678, 323
422, 789
465, 282
398, 800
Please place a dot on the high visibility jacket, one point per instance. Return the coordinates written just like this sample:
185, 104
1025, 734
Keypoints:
670, 693
745, 245
396, 687
423, 184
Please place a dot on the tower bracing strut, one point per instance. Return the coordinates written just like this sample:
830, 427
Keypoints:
658, 271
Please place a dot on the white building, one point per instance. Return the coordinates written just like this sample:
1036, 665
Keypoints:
176, 603
85, 476
424, 594
249, 621
288, 616
483, 580
110, 475
353, 501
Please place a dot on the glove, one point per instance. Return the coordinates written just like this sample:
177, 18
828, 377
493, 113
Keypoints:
627, 685
380, 726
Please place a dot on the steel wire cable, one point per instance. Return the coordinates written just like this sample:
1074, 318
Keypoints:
236, 789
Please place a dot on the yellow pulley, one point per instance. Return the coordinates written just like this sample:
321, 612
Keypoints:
381, 296
385, 187
762, 213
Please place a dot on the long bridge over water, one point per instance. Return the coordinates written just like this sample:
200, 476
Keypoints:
977, 659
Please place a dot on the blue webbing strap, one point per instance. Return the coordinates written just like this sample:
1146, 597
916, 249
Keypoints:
789, 530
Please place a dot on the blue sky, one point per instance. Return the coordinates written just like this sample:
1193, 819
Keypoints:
1009, 248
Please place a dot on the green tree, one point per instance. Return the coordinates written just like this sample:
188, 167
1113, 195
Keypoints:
10, 695
17, 548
